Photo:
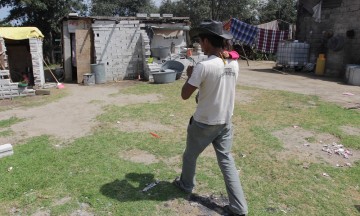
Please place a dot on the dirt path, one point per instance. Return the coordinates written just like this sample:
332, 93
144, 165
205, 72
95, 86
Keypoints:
73, 116
260, 74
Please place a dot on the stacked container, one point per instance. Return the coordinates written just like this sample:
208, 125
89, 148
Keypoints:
292, 54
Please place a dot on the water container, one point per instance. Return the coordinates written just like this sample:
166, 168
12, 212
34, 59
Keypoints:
347, 71
164, 77
292, 53
174, 65
89, 79
320, 65
354, 76
99, 71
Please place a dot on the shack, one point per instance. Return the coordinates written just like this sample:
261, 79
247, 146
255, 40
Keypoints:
21, 50
331, 27
121, 45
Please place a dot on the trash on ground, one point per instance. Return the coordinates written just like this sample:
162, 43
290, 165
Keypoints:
154, 135
348, 94
151, 185
337, 149
326, 175
10, 169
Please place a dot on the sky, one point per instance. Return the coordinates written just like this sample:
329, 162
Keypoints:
157, 2
5, 11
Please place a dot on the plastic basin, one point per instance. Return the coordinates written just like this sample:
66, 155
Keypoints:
173, 65
167, 76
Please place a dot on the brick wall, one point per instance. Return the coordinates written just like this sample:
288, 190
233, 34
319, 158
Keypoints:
36, 50
119, 47
337, 20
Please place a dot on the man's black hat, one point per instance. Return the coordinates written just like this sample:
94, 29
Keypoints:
210, 27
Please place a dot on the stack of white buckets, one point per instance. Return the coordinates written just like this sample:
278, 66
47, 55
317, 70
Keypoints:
352, 74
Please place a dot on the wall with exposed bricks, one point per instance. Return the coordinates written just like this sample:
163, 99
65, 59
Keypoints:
339, 19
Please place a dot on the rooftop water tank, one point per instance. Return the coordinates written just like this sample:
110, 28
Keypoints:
292, 54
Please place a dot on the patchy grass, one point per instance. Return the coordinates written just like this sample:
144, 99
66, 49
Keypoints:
5, 125
8, 122
32, 101
91, 170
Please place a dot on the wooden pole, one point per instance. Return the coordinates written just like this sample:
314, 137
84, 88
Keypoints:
247, 61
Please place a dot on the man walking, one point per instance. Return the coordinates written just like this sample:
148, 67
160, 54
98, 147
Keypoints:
211, 123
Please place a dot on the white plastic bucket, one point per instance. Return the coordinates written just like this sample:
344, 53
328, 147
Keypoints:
89, 79
354, 76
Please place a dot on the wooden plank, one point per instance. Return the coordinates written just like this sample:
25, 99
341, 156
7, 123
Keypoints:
2, 54
83, 53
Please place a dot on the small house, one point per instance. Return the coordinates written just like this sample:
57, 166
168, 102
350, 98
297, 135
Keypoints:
121, 45
21, 61
21, 53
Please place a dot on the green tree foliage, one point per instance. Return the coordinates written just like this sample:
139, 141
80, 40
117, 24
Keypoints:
278, 10
122, 7
222, 10
44, 15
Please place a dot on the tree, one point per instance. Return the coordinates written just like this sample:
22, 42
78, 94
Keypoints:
284, 10
44, 15
222, 10
121, 8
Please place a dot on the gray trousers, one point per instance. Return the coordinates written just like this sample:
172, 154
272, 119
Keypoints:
199, 136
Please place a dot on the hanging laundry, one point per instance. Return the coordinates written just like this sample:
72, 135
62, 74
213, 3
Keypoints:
317, 12
268, 40
243, 32
273, 25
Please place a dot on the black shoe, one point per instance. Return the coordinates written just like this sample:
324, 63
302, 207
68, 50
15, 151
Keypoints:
177, 182
229, 212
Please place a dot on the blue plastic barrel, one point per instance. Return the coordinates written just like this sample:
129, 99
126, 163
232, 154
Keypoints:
99, 71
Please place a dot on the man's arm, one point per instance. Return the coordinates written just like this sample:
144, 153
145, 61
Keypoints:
188, 89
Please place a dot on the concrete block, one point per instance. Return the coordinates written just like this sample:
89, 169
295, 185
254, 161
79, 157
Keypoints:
4, 72
7, 153
134, 21
141, 15
155, 15
4, 81
42, 92
167, 15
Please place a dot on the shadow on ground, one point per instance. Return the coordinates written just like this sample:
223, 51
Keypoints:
211, 203
357, 207
131, 189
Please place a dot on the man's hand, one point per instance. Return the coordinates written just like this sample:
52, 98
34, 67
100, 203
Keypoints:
225, 54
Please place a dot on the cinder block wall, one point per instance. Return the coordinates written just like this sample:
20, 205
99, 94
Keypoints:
36, 50
337, 20
119, 47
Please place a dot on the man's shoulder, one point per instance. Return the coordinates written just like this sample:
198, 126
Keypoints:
210, 61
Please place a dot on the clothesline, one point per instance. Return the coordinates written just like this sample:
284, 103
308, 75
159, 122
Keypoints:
265, 40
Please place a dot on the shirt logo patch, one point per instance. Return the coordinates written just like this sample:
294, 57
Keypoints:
228, 72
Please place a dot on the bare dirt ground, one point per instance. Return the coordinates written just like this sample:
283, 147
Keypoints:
74, 116
260, 74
